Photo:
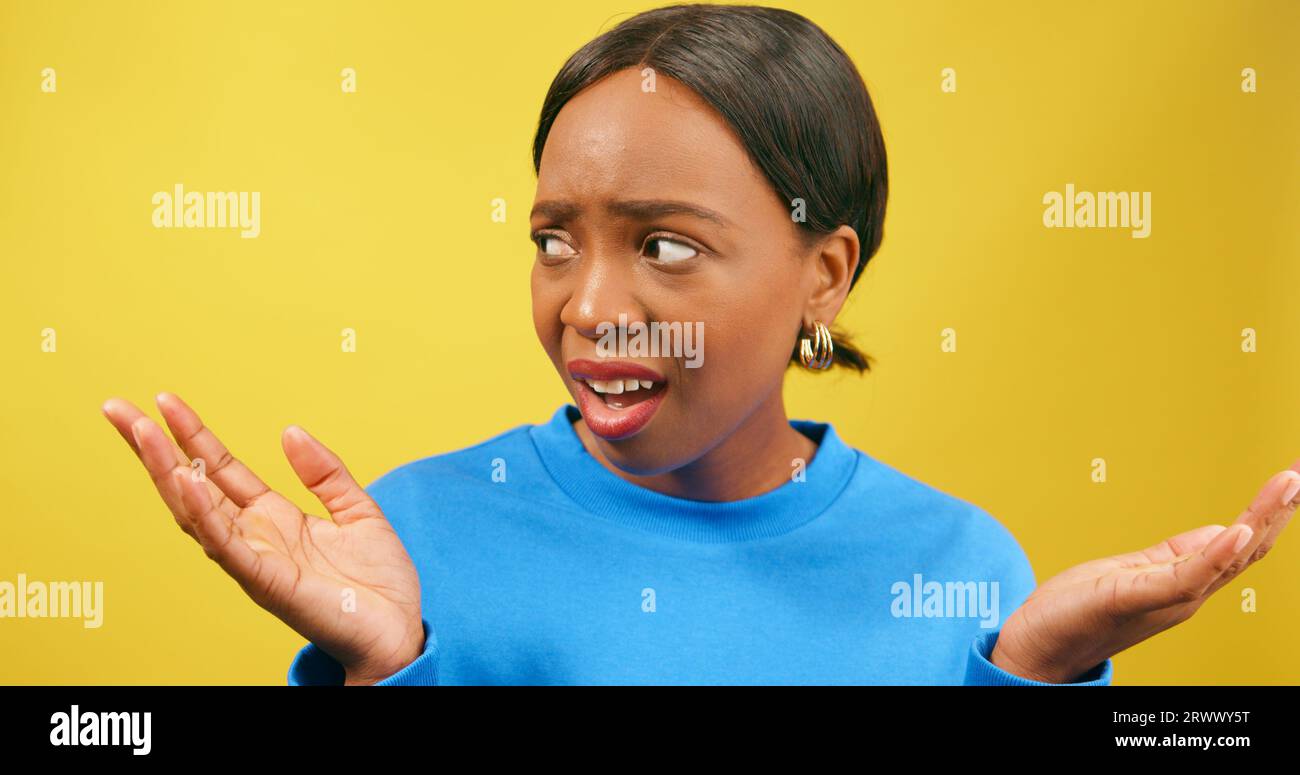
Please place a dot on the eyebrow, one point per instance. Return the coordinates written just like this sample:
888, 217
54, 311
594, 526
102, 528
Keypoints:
644, 209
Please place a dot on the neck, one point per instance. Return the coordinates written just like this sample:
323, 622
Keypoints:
729, 471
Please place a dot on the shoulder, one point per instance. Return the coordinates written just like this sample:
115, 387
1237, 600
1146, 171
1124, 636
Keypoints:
445, 473
949, 521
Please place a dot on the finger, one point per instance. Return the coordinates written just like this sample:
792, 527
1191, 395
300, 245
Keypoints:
231, 476
1287, 502
122, 414
1183, 579
328, 479
155, 451
216, 532
1253, 551
1180, 545
161, 458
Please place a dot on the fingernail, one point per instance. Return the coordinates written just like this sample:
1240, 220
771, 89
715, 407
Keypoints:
135, 433
1243, 538
1291, 490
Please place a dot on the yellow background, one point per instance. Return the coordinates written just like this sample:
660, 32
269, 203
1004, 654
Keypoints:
1073, 344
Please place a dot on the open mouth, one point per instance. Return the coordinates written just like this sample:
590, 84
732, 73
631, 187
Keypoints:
617, 399
622, 393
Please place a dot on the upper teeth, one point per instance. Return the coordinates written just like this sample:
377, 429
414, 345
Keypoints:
618, 385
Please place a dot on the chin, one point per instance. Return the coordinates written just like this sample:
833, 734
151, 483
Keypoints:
638, 455
653, 449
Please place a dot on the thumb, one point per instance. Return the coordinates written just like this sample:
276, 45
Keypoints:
328, 479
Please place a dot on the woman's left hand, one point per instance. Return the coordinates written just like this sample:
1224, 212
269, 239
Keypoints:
1083, 616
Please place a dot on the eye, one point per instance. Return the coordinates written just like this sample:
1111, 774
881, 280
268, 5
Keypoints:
670, 251
553, 246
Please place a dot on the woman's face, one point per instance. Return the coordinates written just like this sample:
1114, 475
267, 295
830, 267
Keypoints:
649, 207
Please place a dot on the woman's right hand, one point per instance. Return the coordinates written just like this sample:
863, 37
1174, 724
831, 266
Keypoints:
346, 585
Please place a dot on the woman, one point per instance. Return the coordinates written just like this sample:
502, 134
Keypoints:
701, 170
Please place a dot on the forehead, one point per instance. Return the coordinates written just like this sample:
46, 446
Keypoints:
615, 141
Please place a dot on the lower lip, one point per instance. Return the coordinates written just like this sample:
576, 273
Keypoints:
614, 424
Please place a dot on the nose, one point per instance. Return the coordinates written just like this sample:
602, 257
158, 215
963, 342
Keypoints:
603, 289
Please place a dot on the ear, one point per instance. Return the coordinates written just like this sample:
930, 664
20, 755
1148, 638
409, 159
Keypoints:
834, 261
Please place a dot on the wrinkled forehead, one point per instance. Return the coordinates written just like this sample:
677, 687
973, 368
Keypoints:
616, 140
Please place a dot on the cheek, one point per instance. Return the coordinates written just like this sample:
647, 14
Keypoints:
753, 327
747, 341
548, 301
744, 345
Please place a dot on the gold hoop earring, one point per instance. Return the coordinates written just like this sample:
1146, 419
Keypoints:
817, 353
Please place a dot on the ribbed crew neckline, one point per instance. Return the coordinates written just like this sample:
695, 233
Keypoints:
598, 490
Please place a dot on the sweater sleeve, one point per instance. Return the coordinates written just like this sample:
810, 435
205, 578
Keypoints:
313, 667
980, 671
1017, 582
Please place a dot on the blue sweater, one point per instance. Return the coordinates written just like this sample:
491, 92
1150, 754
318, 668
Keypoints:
539, 566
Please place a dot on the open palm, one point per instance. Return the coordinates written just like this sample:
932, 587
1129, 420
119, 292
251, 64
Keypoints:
1084, 615
347, 585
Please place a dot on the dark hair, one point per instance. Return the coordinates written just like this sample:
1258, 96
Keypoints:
790, 92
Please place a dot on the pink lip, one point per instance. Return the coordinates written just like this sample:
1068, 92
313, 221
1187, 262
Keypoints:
581, 368
603, 420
